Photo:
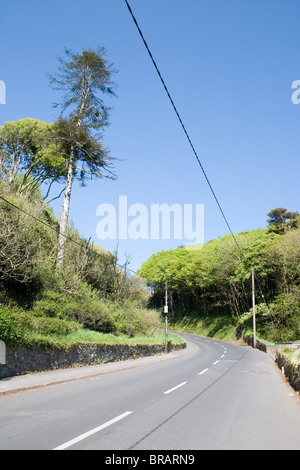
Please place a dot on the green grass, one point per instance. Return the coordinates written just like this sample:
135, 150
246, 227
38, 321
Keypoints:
30, 328
292, 354
35, 338
213, 326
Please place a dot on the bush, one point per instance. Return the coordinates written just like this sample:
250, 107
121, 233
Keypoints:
277, 321
87, 309
26, 257
30, 320
53, 325
58, 305
133, 321
95, 314
16, 323
10, 332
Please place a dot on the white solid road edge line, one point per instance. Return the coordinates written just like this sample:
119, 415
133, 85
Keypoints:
174, 388
92, 431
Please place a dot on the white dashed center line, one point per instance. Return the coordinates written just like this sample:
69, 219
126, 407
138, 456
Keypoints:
92, 431
202, 372
174, 388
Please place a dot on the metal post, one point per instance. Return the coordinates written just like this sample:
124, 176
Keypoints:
254, 313
166, 317
2, 352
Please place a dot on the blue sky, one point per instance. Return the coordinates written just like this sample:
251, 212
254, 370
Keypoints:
229, 66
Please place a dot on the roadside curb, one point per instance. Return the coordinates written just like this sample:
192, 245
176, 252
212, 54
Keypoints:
23, 383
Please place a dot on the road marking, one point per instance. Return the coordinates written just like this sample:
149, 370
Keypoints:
216, 362
92, 431
223, 355
174, 388
202, 372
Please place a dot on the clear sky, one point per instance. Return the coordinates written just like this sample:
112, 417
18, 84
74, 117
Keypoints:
229, 66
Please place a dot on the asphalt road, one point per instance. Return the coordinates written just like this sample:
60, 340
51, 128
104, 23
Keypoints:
220, 396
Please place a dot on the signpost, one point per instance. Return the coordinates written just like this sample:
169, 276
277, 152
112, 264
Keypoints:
253, 304
166, 317
2, 352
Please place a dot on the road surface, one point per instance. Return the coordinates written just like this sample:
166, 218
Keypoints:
221, 396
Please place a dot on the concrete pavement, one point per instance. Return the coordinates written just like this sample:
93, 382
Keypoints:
22, 383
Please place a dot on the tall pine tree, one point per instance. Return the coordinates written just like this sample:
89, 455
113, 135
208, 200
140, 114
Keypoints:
82, 78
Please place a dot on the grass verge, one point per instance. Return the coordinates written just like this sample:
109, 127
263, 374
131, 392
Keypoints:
35, 338
212, 326
291, 354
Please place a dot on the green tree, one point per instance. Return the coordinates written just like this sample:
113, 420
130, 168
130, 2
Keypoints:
28, 155
26, 247
280, 219
82, 77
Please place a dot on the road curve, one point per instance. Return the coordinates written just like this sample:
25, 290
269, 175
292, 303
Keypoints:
218, 396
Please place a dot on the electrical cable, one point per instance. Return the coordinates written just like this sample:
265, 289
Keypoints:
181, 122
188, 138
67, 237
185, 131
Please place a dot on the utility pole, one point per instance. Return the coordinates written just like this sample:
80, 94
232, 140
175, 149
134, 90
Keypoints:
166, 317
253, 304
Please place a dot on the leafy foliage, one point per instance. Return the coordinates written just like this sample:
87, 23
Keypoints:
216, 280
280, 220
11, 333
90, 290
56, 279
81, 78
29, 156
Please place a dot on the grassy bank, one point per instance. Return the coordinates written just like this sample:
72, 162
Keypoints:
230, 328
88, 336
213, 326
291, 354
31, 328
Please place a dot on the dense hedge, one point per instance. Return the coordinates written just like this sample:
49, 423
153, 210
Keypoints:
216, 279
90, 291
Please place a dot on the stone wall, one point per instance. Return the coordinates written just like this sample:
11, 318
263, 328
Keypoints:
261, 345
21, 360
290, 369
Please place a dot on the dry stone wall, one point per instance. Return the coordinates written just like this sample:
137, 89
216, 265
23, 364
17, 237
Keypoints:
290, 369
21, 360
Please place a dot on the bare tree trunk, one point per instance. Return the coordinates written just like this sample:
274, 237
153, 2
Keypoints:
63, 221
14, 168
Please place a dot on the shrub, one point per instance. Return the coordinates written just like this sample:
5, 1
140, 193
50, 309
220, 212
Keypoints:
10, 332
95, 314
86, 308
133, 321
53, 325
32, 321
277, 321
58, 305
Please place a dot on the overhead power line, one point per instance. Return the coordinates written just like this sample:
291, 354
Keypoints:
181, 122
186, 133
81, 245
